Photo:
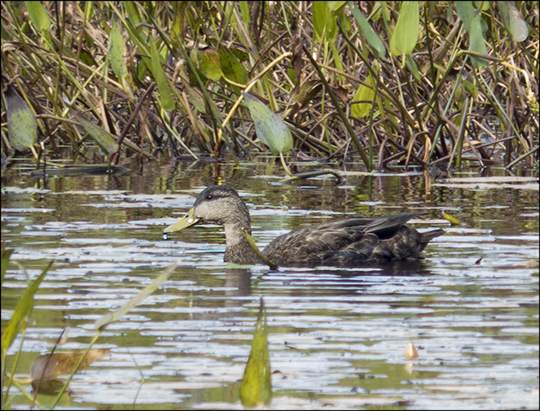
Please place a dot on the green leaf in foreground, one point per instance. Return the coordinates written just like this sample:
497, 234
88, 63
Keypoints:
22, 311
271, 129
153, 286
22, 125
256, 386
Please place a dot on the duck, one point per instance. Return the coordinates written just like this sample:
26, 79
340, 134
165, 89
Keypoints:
343, 242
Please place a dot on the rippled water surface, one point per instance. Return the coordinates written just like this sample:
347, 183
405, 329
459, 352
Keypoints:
337, 337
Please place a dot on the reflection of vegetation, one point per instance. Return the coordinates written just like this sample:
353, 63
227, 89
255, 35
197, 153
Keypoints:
408, 83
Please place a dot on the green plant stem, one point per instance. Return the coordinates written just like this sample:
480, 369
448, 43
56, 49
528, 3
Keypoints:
341, 114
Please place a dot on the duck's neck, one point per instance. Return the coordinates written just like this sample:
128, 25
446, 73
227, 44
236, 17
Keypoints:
238, 249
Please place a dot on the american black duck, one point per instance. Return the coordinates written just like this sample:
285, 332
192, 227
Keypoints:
351, 241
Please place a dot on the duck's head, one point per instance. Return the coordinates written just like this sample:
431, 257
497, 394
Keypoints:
218, 204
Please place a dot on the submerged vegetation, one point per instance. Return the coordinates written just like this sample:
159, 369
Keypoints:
380, 83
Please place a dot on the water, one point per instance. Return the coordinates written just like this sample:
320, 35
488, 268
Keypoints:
337, 337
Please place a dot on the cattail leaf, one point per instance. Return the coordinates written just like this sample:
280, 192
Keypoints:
165, 95
374, 41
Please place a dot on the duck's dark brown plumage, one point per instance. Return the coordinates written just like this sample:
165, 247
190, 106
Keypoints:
352, 241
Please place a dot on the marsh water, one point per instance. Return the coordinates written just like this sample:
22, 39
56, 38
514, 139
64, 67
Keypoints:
337, 338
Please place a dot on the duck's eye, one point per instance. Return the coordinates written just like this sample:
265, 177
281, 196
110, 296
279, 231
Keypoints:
209, 197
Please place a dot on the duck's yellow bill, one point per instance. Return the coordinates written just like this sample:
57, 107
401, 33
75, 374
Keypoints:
188, 220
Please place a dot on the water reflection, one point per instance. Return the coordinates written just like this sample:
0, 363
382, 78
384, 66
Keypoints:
237, 282
337, 336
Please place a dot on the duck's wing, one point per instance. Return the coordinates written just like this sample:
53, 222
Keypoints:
308, 245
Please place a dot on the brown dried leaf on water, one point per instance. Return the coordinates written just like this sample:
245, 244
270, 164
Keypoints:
63, 363
410, 351
22, 125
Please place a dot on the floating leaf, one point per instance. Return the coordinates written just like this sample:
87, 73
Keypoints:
22, 125
271, 129
405, 34
256, 386
46, 367
465, 11
116, 51
52, 365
